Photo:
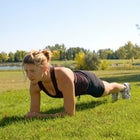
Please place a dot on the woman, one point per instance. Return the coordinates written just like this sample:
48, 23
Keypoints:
61, 82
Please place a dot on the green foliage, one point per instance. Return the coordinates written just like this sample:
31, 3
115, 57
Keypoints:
80, 60
95, 119
92, 61
56, 47
73, 51
106, 53
121, 53
104, 65
60, 52
11, 57
128, 51
88, 61
19, 55
3, 57
55, 55
112, 64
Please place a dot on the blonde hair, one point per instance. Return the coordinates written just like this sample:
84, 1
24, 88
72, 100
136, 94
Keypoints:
38, 58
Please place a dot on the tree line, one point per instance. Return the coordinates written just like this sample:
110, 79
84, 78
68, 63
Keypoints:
60, 52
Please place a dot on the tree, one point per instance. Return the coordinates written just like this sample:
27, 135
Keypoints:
137, 52
121, 53
55, 55
104, 65
128, 51
71, 52
80, 60
138, 27
3, 57
19, 55
11, 57
92, 61
61, 49
106, 54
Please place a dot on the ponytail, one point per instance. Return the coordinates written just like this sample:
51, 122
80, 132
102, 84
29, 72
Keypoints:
37, 57
47, 53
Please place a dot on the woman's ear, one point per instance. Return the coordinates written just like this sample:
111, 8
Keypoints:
45, 69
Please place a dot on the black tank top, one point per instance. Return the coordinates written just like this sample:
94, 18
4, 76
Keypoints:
58, 92
81, 82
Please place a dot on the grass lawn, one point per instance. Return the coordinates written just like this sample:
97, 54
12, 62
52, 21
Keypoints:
95, 119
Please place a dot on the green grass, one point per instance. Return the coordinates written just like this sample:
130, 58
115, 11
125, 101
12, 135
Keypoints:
95, 119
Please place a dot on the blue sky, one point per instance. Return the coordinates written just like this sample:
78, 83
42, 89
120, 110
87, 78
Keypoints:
91, 24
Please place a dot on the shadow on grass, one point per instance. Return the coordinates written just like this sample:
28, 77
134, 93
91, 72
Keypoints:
7, 120
124, 78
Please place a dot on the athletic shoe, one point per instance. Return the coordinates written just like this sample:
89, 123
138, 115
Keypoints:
115, 96
126, 93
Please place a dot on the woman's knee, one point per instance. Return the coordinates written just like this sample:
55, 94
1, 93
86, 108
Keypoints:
107, 89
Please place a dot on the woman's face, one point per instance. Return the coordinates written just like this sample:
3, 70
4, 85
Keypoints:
33, 72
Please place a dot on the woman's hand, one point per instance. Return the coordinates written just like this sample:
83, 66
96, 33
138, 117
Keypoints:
30, 115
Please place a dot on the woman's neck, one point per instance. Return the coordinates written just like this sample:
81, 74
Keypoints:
46, 77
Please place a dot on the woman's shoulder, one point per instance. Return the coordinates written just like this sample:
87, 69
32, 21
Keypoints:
63, 72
